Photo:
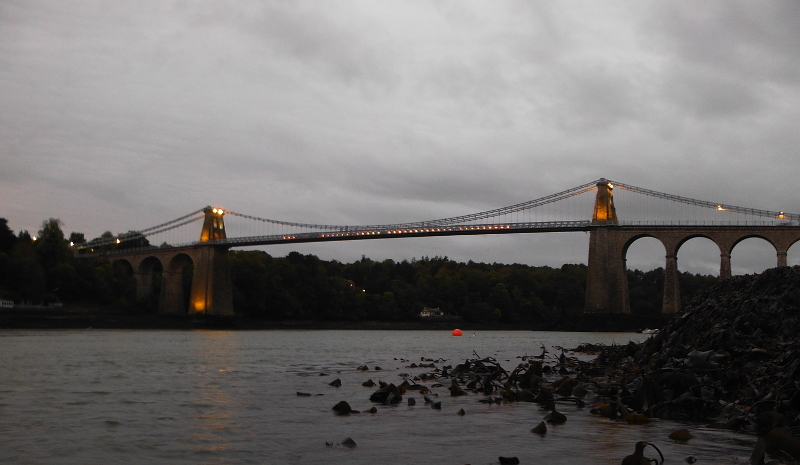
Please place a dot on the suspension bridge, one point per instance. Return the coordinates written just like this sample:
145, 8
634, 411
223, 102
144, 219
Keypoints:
590, 207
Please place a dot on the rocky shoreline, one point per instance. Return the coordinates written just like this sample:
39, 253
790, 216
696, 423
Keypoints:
731, 359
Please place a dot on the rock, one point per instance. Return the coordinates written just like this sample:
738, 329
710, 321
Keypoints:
703, 360
768, 420
456, 391
349, 442
436, 405
680, 435
555, 417
388, 395
342, 408
604, 410
372, 410
782, 439
580, 391
335, 383
461, 412
368, 383
525, 395
508, 460
303, 394
540, 429
636, 419
757, 456
411, 402
733, 351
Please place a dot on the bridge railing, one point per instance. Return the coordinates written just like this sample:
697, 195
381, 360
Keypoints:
694, 223
411, 231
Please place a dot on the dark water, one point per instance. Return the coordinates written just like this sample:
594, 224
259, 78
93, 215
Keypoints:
171, 397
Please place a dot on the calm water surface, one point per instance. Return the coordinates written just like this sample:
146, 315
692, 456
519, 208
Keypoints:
173, 397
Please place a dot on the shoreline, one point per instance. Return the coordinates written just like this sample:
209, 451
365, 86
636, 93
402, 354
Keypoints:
103, 318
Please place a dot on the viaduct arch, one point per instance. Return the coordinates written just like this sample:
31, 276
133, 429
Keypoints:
211, 291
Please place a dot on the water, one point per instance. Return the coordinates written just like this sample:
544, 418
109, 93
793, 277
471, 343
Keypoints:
218, 397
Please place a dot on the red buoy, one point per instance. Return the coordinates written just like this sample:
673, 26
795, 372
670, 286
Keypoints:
456, 332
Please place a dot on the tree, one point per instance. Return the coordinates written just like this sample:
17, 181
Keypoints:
55, 257
133, 240
77, 238
7, 238
51, 247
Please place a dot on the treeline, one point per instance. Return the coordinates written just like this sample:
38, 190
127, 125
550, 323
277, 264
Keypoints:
304, 287
42, 270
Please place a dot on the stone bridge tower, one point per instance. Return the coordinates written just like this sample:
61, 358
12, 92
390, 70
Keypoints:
606, 281
212, 292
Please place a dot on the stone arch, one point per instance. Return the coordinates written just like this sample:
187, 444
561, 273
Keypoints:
637, 295
793, 253
689, 237
125, 281
176, 285
148, 282
752, 236
629, 242
737, 257
123, 265
701, 257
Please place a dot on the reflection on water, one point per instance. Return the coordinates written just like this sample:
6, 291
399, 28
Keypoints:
231, 397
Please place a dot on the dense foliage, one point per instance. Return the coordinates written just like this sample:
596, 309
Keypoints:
43, 270
304, 287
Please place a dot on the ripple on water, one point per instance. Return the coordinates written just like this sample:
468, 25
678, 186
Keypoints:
164, 400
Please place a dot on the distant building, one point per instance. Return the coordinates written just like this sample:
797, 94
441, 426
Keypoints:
6, 304
429, 312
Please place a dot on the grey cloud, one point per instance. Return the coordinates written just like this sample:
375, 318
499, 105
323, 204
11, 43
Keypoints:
757, 40
371, 112
712, 96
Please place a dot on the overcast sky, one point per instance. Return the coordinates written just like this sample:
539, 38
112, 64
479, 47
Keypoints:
121, 115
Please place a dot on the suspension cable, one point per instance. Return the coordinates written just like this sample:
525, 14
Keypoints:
703, 203
440, 222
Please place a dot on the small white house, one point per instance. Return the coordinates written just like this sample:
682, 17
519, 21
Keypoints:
6, 303
428, 312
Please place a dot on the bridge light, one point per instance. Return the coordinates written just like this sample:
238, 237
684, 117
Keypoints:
719, 208
118, 241
610, 186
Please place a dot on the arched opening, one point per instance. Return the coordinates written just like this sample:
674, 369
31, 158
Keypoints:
124, 282
753, 255
148, 284
645, 259
793, 255
698, 267
177, 286
699, 255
